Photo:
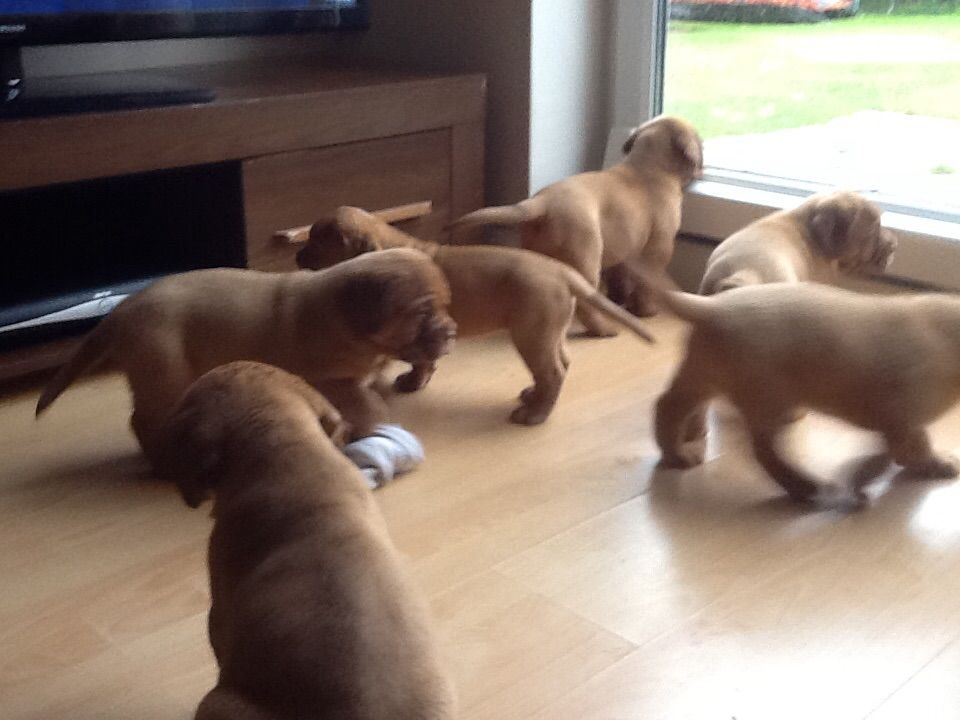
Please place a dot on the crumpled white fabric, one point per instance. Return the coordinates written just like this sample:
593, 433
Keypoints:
389, 452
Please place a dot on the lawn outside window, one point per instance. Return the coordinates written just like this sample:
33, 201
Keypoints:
870, 103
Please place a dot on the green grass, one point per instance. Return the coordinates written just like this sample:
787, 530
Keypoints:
731, 79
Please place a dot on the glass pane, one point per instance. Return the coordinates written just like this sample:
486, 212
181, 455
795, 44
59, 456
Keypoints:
864, 96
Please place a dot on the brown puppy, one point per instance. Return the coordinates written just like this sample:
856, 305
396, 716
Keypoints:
333, 328
886, 363
492, 288
826, 234
627, 215
313, 616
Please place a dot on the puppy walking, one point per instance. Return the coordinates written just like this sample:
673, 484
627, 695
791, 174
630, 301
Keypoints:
827, 234
885, 363
626, 216
313, 617
333, 328
492, 288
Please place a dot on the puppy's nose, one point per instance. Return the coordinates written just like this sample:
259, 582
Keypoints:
302, 259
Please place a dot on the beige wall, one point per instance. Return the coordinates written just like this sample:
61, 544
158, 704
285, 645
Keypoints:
570, 87
492, 37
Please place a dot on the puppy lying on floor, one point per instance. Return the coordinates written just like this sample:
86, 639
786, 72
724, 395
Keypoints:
313, 616
626, 216
826, 234
492, 288
885, 363
333, 328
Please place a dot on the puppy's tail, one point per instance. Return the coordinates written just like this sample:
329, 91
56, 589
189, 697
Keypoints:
94, 350
741, 278
587, 293
695, 309
525, 211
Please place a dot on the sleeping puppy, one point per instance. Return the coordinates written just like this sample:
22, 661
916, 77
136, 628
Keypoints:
826, 234
492, 288
312, 614
627, 215
885, 363
333, 328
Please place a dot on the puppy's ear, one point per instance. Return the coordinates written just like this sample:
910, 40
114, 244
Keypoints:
364, 301
839, 227
886, 248
190, 453
629, 142
822, 224
690, 149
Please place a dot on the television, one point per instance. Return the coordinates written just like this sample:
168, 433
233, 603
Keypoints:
48, 22
120, 235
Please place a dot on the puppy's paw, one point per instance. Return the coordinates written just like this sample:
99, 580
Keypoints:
529, 415
834, 497
528, 394
688, 455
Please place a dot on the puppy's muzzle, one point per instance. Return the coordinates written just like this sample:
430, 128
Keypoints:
434, 340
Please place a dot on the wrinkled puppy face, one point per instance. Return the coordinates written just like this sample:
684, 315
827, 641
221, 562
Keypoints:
328, 246
400, 304
220, 411
846, 227
675, 141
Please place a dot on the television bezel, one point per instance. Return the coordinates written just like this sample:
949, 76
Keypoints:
70, 28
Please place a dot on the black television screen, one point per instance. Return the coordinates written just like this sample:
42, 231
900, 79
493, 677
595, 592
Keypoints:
34, 7
31, 22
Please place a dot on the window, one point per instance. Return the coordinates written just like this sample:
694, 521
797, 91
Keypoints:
866, 96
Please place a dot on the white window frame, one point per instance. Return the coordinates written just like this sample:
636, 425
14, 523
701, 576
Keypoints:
723, 202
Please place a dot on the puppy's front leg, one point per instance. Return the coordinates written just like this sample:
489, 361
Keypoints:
680, 424
360, 406
911, 449
798, 486
415, 378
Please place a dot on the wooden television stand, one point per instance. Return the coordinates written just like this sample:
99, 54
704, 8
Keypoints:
284, 143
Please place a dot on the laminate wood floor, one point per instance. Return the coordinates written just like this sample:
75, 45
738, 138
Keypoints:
569, 577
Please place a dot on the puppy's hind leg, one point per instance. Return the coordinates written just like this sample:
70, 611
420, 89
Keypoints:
540, 349
911, 449
589, 265
223, 704
157, 382
652, 261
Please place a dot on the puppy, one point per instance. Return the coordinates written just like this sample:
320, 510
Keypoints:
885, 363
492, 288
626, 216
333, 328
313, 615
826, 234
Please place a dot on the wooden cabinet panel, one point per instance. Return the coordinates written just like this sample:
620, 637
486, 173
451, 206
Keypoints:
298, 188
